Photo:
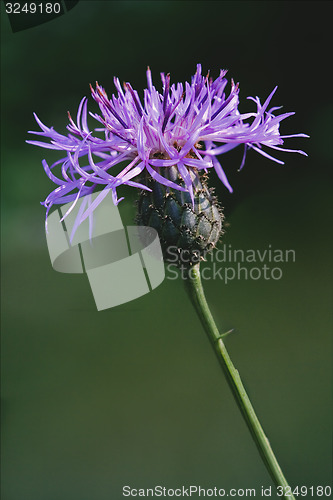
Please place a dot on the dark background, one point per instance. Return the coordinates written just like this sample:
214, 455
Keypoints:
133, 395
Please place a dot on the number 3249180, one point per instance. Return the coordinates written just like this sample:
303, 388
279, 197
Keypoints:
313, 491
33, 8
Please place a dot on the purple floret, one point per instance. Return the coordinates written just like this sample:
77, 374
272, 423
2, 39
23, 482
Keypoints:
185, 125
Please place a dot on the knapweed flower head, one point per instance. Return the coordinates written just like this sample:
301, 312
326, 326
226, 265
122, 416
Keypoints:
186, 126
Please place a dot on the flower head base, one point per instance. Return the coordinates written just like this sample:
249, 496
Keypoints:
186, 126
187, 231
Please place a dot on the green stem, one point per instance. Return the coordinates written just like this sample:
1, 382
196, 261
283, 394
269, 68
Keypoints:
196, 293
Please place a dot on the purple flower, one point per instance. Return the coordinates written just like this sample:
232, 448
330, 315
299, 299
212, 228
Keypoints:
185, 125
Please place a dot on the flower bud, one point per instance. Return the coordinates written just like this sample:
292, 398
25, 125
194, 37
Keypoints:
192, 228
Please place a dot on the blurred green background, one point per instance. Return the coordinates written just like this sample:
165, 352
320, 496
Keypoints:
133, 395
